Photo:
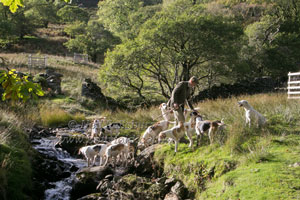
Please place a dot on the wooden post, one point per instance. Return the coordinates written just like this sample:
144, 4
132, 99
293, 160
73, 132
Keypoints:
294, 85
45, 61
289, 84
29, 62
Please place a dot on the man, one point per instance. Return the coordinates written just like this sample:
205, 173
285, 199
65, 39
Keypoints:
180, 95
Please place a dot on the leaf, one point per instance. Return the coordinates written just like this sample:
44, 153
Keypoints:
39, 92
13, 4
16, 88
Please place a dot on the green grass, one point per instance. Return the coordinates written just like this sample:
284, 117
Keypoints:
272, 179
55, 116
16, 172
15, 159
248, 163
214, 173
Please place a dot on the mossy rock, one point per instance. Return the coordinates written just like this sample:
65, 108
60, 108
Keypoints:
141, 187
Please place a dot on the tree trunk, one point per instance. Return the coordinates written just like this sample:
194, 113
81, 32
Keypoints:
185, 76
94, 58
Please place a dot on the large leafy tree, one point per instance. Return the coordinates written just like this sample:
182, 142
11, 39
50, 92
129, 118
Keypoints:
93, 40
273, 41
114, 15
13, 26
69, 14
41, 12
170, 47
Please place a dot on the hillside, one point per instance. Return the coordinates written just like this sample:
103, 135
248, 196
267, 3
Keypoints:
140, 50
243, 163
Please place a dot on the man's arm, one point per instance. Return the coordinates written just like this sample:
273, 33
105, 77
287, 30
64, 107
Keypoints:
188, 102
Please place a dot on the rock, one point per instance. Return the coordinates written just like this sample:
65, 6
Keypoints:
48, 169
50, 81
72, 143
179, 189
87, 181
37, 132
145, 165
171, 196
95, 196
171, 181
92, 90
297, 164
131, 186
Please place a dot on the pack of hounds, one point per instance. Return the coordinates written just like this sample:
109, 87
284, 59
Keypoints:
123, 149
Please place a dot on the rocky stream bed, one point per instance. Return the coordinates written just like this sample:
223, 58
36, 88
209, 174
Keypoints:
61, 174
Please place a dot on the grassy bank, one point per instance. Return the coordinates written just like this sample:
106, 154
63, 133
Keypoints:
244, 163
15, 159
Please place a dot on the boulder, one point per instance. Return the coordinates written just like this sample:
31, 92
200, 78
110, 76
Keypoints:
37, 132
72, 143
87, 181
50, 81
92, 90
145, 165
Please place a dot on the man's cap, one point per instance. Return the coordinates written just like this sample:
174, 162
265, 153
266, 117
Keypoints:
194, 79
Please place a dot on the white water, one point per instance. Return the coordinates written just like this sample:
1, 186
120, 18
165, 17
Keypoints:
61, 189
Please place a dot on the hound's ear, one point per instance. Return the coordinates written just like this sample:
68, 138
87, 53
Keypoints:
160, 105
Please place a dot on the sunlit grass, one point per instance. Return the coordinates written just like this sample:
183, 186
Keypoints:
251, 163
54, 117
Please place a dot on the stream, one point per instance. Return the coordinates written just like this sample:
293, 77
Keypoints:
62, 176
60, 190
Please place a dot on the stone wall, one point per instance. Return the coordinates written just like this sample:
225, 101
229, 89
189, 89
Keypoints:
258, 85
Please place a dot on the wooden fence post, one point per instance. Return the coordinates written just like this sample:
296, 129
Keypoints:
293, 85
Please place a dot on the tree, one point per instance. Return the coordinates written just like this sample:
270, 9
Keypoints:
41, 12
76, 28
13, 26
113, 14
94, 41
170, 47
273, 41
69, 14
